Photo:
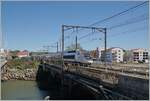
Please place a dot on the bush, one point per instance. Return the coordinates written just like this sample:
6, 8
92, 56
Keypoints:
22, 63
140, 61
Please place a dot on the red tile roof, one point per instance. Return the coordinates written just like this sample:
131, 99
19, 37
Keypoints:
22, 53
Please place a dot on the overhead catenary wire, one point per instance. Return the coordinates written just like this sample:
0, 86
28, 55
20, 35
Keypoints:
117, 14
121, 33
120, 13
91, 40
129, 21
86, 35
128, 32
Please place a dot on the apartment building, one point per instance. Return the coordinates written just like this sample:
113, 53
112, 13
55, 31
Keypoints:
140, 54
114, 54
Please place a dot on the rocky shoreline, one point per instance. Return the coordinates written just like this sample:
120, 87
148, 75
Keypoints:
17, 74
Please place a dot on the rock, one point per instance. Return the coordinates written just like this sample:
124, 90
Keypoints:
5, 78
27, 74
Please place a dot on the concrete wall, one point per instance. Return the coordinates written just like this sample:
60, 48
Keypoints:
137, 88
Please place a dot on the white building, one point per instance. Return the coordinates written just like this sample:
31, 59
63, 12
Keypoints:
140, 54
114, 54
24, 53
2, 57
100, 52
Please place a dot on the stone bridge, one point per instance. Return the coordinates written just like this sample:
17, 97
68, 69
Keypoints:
89, 83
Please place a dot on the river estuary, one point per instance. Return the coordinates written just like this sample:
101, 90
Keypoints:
21, 90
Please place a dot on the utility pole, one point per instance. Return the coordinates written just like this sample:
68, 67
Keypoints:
105, 43
60, 44
57, 47
1, 32
76, 43
62, 57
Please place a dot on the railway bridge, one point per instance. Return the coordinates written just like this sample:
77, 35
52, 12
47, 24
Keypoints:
88, 82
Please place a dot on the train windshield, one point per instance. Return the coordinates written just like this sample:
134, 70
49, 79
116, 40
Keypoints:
71, 51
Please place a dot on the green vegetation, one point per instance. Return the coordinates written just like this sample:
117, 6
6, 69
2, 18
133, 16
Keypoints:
22, 63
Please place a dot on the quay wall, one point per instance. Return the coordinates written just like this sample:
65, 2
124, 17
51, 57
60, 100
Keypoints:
136, 88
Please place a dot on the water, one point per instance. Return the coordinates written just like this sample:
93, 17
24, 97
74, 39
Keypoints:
29, 90
21, 90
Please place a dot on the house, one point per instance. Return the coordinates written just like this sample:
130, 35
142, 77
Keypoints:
140, 54
114, 54
24, 53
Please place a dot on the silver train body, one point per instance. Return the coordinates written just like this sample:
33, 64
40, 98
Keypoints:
69, 57
75, 56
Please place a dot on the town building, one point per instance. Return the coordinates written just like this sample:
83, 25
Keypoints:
94, 53
114, 54
3, 55
140, 55
24, 53
2, 51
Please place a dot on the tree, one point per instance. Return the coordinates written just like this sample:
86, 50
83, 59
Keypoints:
128, 56
14, 52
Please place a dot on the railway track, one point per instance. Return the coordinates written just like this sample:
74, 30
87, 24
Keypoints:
116, 71
95, 70
141, 71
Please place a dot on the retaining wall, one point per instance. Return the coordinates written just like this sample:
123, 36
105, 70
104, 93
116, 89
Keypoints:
136, 88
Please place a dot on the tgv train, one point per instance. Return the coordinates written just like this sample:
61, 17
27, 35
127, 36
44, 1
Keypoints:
70, 57
75, 57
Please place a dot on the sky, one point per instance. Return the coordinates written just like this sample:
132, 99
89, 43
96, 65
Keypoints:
32, 25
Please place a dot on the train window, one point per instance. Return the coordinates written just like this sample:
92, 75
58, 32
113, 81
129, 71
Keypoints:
71, 51
69, 57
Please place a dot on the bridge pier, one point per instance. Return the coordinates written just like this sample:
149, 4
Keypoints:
70, 87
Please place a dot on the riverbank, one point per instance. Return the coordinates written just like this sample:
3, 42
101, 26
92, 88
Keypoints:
17, 74
20, 69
